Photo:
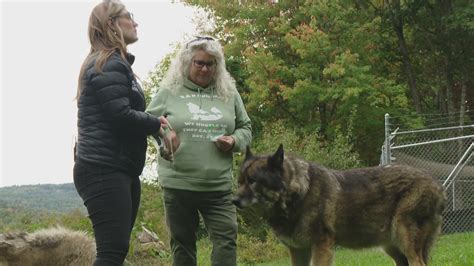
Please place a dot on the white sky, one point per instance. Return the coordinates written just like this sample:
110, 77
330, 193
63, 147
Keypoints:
42, 47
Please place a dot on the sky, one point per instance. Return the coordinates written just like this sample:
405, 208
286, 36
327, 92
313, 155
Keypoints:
43, 44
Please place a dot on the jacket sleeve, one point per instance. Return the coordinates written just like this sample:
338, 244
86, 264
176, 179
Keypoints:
113, 90
243, 128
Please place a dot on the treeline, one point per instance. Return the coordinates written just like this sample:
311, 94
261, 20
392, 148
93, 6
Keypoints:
336, 67
31, 207
50, 198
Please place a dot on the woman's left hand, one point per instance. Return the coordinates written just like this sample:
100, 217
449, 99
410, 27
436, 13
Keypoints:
225, 143
164, 122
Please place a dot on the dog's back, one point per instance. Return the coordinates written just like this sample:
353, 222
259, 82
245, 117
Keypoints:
373, 201
52, 246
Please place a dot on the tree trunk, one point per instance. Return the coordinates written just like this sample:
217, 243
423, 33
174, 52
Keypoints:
397, 23
462, 107
462, 111
449, 88
442, 107
446, 9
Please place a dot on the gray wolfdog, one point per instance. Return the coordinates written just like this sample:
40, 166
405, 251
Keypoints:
312, 208
52, 246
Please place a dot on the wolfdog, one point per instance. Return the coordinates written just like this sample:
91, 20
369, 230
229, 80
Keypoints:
52, 246
312, 208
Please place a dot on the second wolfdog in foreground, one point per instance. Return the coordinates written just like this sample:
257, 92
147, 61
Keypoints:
312, 208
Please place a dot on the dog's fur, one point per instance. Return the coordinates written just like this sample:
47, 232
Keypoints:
52, 246
312, 208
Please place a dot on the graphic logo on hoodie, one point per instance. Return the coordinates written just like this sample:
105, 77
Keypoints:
203, 115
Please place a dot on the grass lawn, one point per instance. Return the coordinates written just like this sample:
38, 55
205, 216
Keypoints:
450, 250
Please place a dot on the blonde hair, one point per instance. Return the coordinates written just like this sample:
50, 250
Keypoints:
104, 39
179, 68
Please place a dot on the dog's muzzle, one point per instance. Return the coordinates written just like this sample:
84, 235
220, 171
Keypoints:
237, 202
243, 202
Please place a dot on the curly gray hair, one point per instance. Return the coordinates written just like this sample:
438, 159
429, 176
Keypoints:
179, 68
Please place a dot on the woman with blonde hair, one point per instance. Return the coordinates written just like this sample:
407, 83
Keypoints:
112, 131
203, 106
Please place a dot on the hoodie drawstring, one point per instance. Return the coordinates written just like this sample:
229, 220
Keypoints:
199, 96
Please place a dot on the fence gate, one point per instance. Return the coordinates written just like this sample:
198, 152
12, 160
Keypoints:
447, 153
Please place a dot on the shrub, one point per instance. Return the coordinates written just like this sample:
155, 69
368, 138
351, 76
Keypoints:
337, 154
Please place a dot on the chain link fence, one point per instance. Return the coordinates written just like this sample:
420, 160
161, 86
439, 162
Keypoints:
446, 151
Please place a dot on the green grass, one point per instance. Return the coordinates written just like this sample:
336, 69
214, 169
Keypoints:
450, 250
455, 249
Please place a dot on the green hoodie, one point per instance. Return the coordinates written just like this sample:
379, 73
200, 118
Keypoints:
199, 116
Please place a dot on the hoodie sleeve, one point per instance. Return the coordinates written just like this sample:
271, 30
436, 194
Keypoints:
157, 107
243, 128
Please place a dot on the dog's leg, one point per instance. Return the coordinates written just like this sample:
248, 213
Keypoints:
300, 257
396, 255
406, 232
416, 224
323, 252
428, 243
428, 232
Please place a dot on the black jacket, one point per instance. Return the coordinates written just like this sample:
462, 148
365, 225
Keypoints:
112, 124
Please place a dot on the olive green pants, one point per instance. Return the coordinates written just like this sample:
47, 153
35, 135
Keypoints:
182, 209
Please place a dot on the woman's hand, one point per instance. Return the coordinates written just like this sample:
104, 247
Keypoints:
164, 124
225, 143
164, 121
171, 139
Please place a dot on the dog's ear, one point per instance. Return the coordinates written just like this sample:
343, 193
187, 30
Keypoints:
276, 160
248, 153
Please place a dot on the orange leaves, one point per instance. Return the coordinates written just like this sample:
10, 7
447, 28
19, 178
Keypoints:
303, 32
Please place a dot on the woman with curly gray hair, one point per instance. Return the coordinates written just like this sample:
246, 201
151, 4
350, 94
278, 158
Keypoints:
199, 98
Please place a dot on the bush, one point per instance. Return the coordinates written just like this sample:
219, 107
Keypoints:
337, 154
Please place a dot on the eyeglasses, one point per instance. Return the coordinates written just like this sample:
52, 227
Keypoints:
199, 64
128, 15
200, 38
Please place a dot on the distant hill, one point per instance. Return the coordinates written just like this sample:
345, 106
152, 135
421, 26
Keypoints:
45, 198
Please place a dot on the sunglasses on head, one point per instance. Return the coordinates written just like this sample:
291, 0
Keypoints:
200, 38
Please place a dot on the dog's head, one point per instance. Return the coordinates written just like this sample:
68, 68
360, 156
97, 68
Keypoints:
260, 180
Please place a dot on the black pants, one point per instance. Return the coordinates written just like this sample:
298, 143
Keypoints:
112, 199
